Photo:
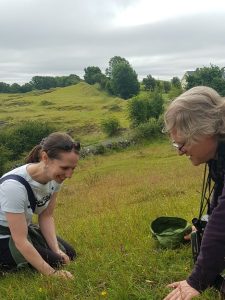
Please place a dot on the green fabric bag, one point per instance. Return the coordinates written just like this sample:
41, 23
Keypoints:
170, 231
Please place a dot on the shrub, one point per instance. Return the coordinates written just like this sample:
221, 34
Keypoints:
144, 107
115, 107
148, 130
137, 110
111, 126
46, 103
5, 155
25, 136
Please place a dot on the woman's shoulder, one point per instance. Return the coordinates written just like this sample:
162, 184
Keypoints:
12, 182
21, 171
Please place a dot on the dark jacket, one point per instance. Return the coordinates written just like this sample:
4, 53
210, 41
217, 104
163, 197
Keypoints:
211, 259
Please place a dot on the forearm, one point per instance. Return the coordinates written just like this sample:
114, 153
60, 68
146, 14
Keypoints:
210, 261
33, 257
47, 227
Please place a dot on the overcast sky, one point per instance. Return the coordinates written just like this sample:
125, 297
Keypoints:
163, 38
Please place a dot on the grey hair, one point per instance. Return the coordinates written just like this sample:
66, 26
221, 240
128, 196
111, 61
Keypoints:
197, 112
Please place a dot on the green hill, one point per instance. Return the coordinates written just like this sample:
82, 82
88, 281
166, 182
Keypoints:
77, 109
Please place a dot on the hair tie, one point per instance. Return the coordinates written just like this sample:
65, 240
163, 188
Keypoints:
43, 141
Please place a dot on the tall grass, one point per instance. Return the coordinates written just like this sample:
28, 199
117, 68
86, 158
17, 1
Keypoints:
105, 211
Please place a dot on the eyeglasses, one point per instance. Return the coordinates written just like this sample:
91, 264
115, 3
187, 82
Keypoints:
73, 145
178, 146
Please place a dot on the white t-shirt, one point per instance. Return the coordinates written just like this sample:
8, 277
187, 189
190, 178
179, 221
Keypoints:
14, 198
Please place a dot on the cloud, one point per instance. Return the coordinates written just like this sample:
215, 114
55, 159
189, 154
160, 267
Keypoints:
51, 37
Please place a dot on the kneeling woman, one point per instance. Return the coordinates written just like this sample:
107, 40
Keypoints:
48, 165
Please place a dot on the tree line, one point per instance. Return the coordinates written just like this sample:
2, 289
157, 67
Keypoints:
120, 79
40, 83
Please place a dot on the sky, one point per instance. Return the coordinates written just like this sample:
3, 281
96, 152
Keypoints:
163, 38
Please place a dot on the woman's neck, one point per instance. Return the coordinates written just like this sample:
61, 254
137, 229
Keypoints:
37, 172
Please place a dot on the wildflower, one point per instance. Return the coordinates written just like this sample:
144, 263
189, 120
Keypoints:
103, 293
40, 290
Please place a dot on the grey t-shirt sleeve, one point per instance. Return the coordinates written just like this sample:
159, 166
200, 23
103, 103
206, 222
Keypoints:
57, 187
13, 197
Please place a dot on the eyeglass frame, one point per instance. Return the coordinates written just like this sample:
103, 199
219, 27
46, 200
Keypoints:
177, 146
74, 145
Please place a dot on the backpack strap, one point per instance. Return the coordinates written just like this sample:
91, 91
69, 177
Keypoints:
23, 181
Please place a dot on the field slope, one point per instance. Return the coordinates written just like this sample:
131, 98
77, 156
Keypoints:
77, 109
105, 211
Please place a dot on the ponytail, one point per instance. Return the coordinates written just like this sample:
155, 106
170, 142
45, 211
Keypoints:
34, 155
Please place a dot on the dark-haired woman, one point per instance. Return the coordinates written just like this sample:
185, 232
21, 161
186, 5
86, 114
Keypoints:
47, 166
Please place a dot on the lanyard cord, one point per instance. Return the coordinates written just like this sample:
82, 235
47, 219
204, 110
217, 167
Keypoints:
207, 191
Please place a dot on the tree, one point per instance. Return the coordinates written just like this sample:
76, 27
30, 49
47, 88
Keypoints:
71, 79
155, 105
149, 83
15, 88
92, 75
212, 76
26, 87
4, 87
174, 92
124, 82
175, 81
113, 62
43, 82
166, 86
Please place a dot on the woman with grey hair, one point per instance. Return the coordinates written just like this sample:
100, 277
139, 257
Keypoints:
195, 122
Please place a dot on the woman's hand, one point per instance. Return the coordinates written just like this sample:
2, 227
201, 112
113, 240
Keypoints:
188, 236
62, 274
64, 256
182, 291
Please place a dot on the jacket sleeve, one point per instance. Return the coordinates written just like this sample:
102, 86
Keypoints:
211, 259
213, 203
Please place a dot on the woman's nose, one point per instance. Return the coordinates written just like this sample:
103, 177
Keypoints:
69, 173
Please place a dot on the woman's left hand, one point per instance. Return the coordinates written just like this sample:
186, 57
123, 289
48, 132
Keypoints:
182, 291
63, 255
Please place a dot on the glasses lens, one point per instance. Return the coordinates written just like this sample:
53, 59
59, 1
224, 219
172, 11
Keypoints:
70, 146
176, 145
76, 146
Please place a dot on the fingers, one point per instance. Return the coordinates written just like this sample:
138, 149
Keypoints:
187, 237
68, 275
63, 274
173, 285
65, 258
182, 291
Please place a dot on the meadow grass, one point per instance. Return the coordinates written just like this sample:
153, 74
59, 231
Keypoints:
105, 211
77, 109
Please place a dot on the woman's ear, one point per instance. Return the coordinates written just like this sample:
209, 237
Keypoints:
44, 157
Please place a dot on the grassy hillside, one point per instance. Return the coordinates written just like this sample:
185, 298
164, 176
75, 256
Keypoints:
78, 109
105, 211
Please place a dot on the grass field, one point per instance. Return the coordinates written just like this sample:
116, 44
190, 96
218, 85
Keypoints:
105, 211
77, 109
